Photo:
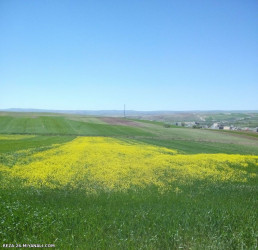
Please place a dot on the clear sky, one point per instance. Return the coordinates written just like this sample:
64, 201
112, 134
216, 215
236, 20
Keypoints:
150, 55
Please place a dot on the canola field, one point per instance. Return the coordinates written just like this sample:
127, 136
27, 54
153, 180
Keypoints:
108, 164
112, 193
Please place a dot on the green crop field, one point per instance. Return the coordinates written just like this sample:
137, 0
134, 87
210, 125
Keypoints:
62, 126
81, 182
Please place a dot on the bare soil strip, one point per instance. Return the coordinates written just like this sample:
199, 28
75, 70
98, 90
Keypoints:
121, 121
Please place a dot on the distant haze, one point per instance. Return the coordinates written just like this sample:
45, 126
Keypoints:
121, 112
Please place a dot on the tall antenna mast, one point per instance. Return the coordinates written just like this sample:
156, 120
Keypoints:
124, 110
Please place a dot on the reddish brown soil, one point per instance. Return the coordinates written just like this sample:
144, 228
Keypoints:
120, 121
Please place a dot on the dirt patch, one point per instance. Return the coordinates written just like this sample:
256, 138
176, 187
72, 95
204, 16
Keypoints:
120, 121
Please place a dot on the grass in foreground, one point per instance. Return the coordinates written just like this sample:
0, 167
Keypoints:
200, 216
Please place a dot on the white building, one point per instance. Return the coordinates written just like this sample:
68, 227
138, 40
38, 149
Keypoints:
214, 126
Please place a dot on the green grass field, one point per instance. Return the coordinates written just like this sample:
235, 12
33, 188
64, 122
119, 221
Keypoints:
197, 213
203, 216
62, 126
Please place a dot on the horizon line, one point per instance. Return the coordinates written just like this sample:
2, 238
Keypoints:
120, 110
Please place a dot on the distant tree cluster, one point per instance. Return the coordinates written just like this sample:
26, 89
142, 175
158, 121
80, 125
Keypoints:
197, 126
166, 125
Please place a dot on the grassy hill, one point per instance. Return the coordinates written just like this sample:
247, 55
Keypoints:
61, 125
186, 140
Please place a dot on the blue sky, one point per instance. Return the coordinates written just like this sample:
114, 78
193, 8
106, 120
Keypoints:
150, 55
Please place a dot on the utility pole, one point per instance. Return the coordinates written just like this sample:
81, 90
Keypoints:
124, 110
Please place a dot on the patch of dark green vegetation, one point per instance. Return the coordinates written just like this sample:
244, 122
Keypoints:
199, 216
198, 147
33, 142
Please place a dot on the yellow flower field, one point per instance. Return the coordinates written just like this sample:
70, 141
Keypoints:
104, 163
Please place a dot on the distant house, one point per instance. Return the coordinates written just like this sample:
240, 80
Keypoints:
227, 128
214, 126
189, 124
